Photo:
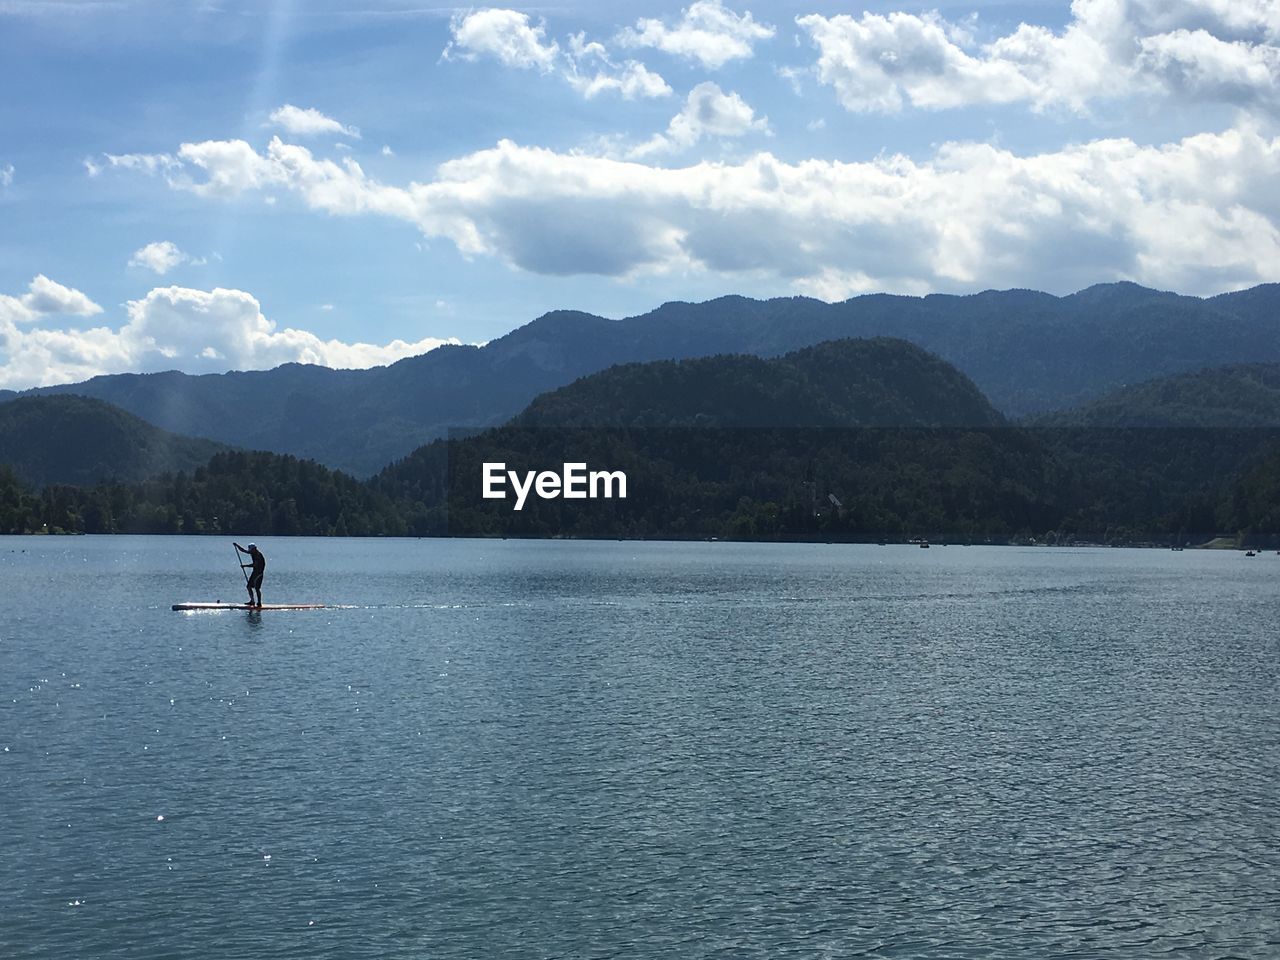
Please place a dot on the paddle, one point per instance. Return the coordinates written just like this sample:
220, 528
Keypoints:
242, 569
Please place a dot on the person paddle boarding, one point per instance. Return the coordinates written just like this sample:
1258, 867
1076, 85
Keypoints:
257, 564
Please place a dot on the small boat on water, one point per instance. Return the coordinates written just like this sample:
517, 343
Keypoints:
924, 544
1250, 553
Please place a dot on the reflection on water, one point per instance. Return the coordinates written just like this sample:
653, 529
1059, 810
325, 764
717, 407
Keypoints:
509, 749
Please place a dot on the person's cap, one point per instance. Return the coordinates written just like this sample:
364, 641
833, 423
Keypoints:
252, 546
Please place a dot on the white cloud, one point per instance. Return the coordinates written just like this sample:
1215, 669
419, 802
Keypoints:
876, 62
506, 35
632, 81
309, 122
148, 163
1238, 18
6, 176
387, 151
177, 327
707, 32
792, 75
510, 38
1199, 214
159, 258
232, 166
1203, 67
1209, 50
708, 112
45, 297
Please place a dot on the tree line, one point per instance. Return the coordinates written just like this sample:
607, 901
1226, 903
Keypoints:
862, 484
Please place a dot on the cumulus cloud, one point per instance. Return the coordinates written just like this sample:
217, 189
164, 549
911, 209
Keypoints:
1200, 65
876, 62
177, 327
6, 176
707, 32
309, 122
1210, 50
506, 35
1238, 18
1198, 214
509, 37
45, 297
159, 258
633, 80
708, 112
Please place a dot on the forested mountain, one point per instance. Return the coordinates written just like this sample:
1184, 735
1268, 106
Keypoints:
848, 440
843, 383
1028, 352
1241, 395
78, 440
235, 493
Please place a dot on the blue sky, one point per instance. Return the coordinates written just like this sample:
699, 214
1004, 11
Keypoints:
228, 185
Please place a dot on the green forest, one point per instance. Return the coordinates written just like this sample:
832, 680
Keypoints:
235, 492
856, 440
993, 485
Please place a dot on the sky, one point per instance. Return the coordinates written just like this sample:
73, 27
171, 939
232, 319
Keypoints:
207, 185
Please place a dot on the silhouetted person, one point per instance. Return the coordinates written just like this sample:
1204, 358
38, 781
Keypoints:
257, 566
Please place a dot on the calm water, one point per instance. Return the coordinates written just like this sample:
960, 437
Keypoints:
521, 749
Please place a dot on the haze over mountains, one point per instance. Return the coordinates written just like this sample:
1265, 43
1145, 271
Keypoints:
1028, 352
70, 439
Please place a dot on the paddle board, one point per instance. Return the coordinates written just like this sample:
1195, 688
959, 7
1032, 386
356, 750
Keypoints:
219, 605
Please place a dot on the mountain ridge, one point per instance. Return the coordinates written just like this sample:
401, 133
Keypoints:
847, 439
1233, 396
1029, 352
838, 383
79, 440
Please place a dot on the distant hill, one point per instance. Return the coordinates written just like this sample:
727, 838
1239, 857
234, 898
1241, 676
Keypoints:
846, 440
1028, 352
246, 493
843, 383
857, 438
1241, 395
1200, 434
78, 440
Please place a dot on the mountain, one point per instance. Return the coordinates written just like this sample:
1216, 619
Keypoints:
1190, 437
245, 493
1240, 395
1254, 501
78, 440
848, 439
1028, 352
843, 383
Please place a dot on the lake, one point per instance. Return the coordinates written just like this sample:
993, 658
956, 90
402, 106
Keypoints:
586, 749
